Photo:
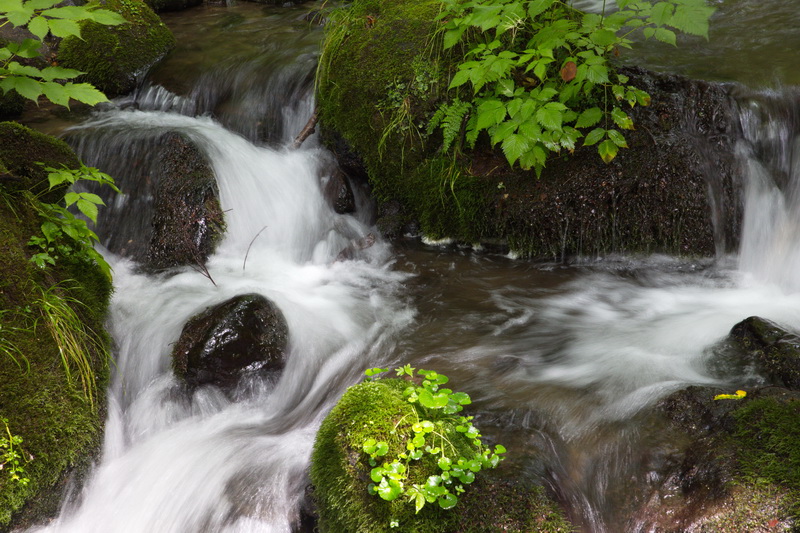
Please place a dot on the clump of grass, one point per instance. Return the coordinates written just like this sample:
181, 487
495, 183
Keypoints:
77, 343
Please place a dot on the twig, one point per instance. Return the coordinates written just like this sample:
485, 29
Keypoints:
307, 130
249, 245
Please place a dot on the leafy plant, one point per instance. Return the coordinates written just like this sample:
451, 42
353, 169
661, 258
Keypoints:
76, 341
8, 347
11, 454
64, 234
433, 406
42, 18
541, 76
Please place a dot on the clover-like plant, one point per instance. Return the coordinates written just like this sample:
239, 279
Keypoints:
434, 408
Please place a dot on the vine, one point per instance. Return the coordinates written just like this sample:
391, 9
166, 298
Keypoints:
541, 76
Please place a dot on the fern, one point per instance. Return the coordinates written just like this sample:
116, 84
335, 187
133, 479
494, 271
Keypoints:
450, 118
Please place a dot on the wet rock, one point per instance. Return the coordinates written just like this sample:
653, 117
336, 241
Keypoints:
246, 334
351, 252
187, 218
172, 5
338, 193
774, 351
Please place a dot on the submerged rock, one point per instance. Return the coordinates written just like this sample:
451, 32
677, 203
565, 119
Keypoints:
187, 218
246, 334
338, 192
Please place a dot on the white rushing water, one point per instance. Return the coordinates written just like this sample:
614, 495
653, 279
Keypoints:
176, 464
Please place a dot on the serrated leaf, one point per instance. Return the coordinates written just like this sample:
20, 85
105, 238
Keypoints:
461, 77
23, 70
19, 17
75, 13
603, 37
39, 27
661, 13
451, 37
549, 118
10, 5
28, 48
621, 119
106, 17
85, 93
25, 86
64, 28
597, 73
594, 136
617, 138
607, 150
42, 4
88, 208
490, 113
59, 73
537, 7
71, 197
692, 18
514, 146
666, 36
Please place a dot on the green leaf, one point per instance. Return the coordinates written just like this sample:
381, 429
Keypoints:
666, 36
514, 146
490, 113
594, 136
603, 37
621, 119
451, 37
389, 489
10, 5
692, 17
448, 501
38, 26
106, 17
88, 208
84, 92
617, 138
589, 117
607, 150
549, 118
50, 231
42, 4
597, 73
74, 13
59, 73
19, 17
71, 197
661, 13
537, 7
25, 86
461, 77
63, 27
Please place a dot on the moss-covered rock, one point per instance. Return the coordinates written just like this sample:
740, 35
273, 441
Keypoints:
24, 153
115, 57
382, 75
60, 427
340, 473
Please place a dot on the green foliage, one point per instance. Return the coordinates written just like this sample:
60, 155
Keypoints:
540, 73
42, 18
64, 234
11, 458
433, 405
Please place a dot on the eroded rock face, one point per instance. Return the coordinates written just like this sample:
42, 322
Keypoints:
187, 218
245, 334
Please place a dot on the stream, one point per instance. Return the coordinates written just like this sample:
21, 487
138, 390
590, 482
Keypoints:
562, 361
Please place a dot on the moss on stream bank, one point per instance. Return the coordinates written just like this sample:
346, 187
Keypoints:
61, 429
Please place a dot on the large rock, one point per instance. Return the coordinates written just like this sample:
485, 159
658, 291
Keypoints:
187, 218
245, 334
774, 351
172, 5
114, 58
673, 191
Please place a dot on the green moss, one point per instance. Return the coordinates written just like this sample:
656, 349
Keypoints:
768, 443
340, 475
114, 56
61, 429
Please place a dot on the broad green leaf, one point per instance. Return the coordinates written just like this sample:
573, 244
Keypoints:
74, 13
448, 501
91, 197
25, 86
514, 146
59, 73
490, 113
19, 17
649, 32
38, 26
10, 5
84, 92
607, 150
106, 17
50, 231
64, 27
389, 489
506, 87
42, 4
597, 73
549, 118
5, 53
451, 37
692, 17
461, 77
661, 13
28, 48
617, 138
23, 70
666, 36
71, 197
621, 119
537, 7
603, 37
88, 208
594, 136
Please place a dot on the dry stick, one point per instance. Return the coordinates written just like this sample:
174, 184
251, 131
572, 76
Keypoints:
249, 245
307, 130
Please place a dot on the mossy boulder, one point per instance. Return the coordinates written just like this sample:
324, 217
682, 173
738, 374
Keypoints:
60, 427
382, 77
340, 474
114, 58
773, 350
25, 153
172, 5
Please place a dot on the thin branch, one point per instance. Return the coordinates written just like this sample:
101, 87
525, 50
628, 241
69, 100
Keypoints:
249, 245
307, 131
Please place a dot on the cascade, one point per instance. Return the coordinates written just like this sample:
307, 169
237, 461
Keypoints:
563, 362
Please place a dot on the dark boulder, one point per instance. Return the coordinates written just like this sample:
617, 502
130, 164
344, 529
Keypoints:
338, 192
187, 218
774, 351
246, 334
172, 5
